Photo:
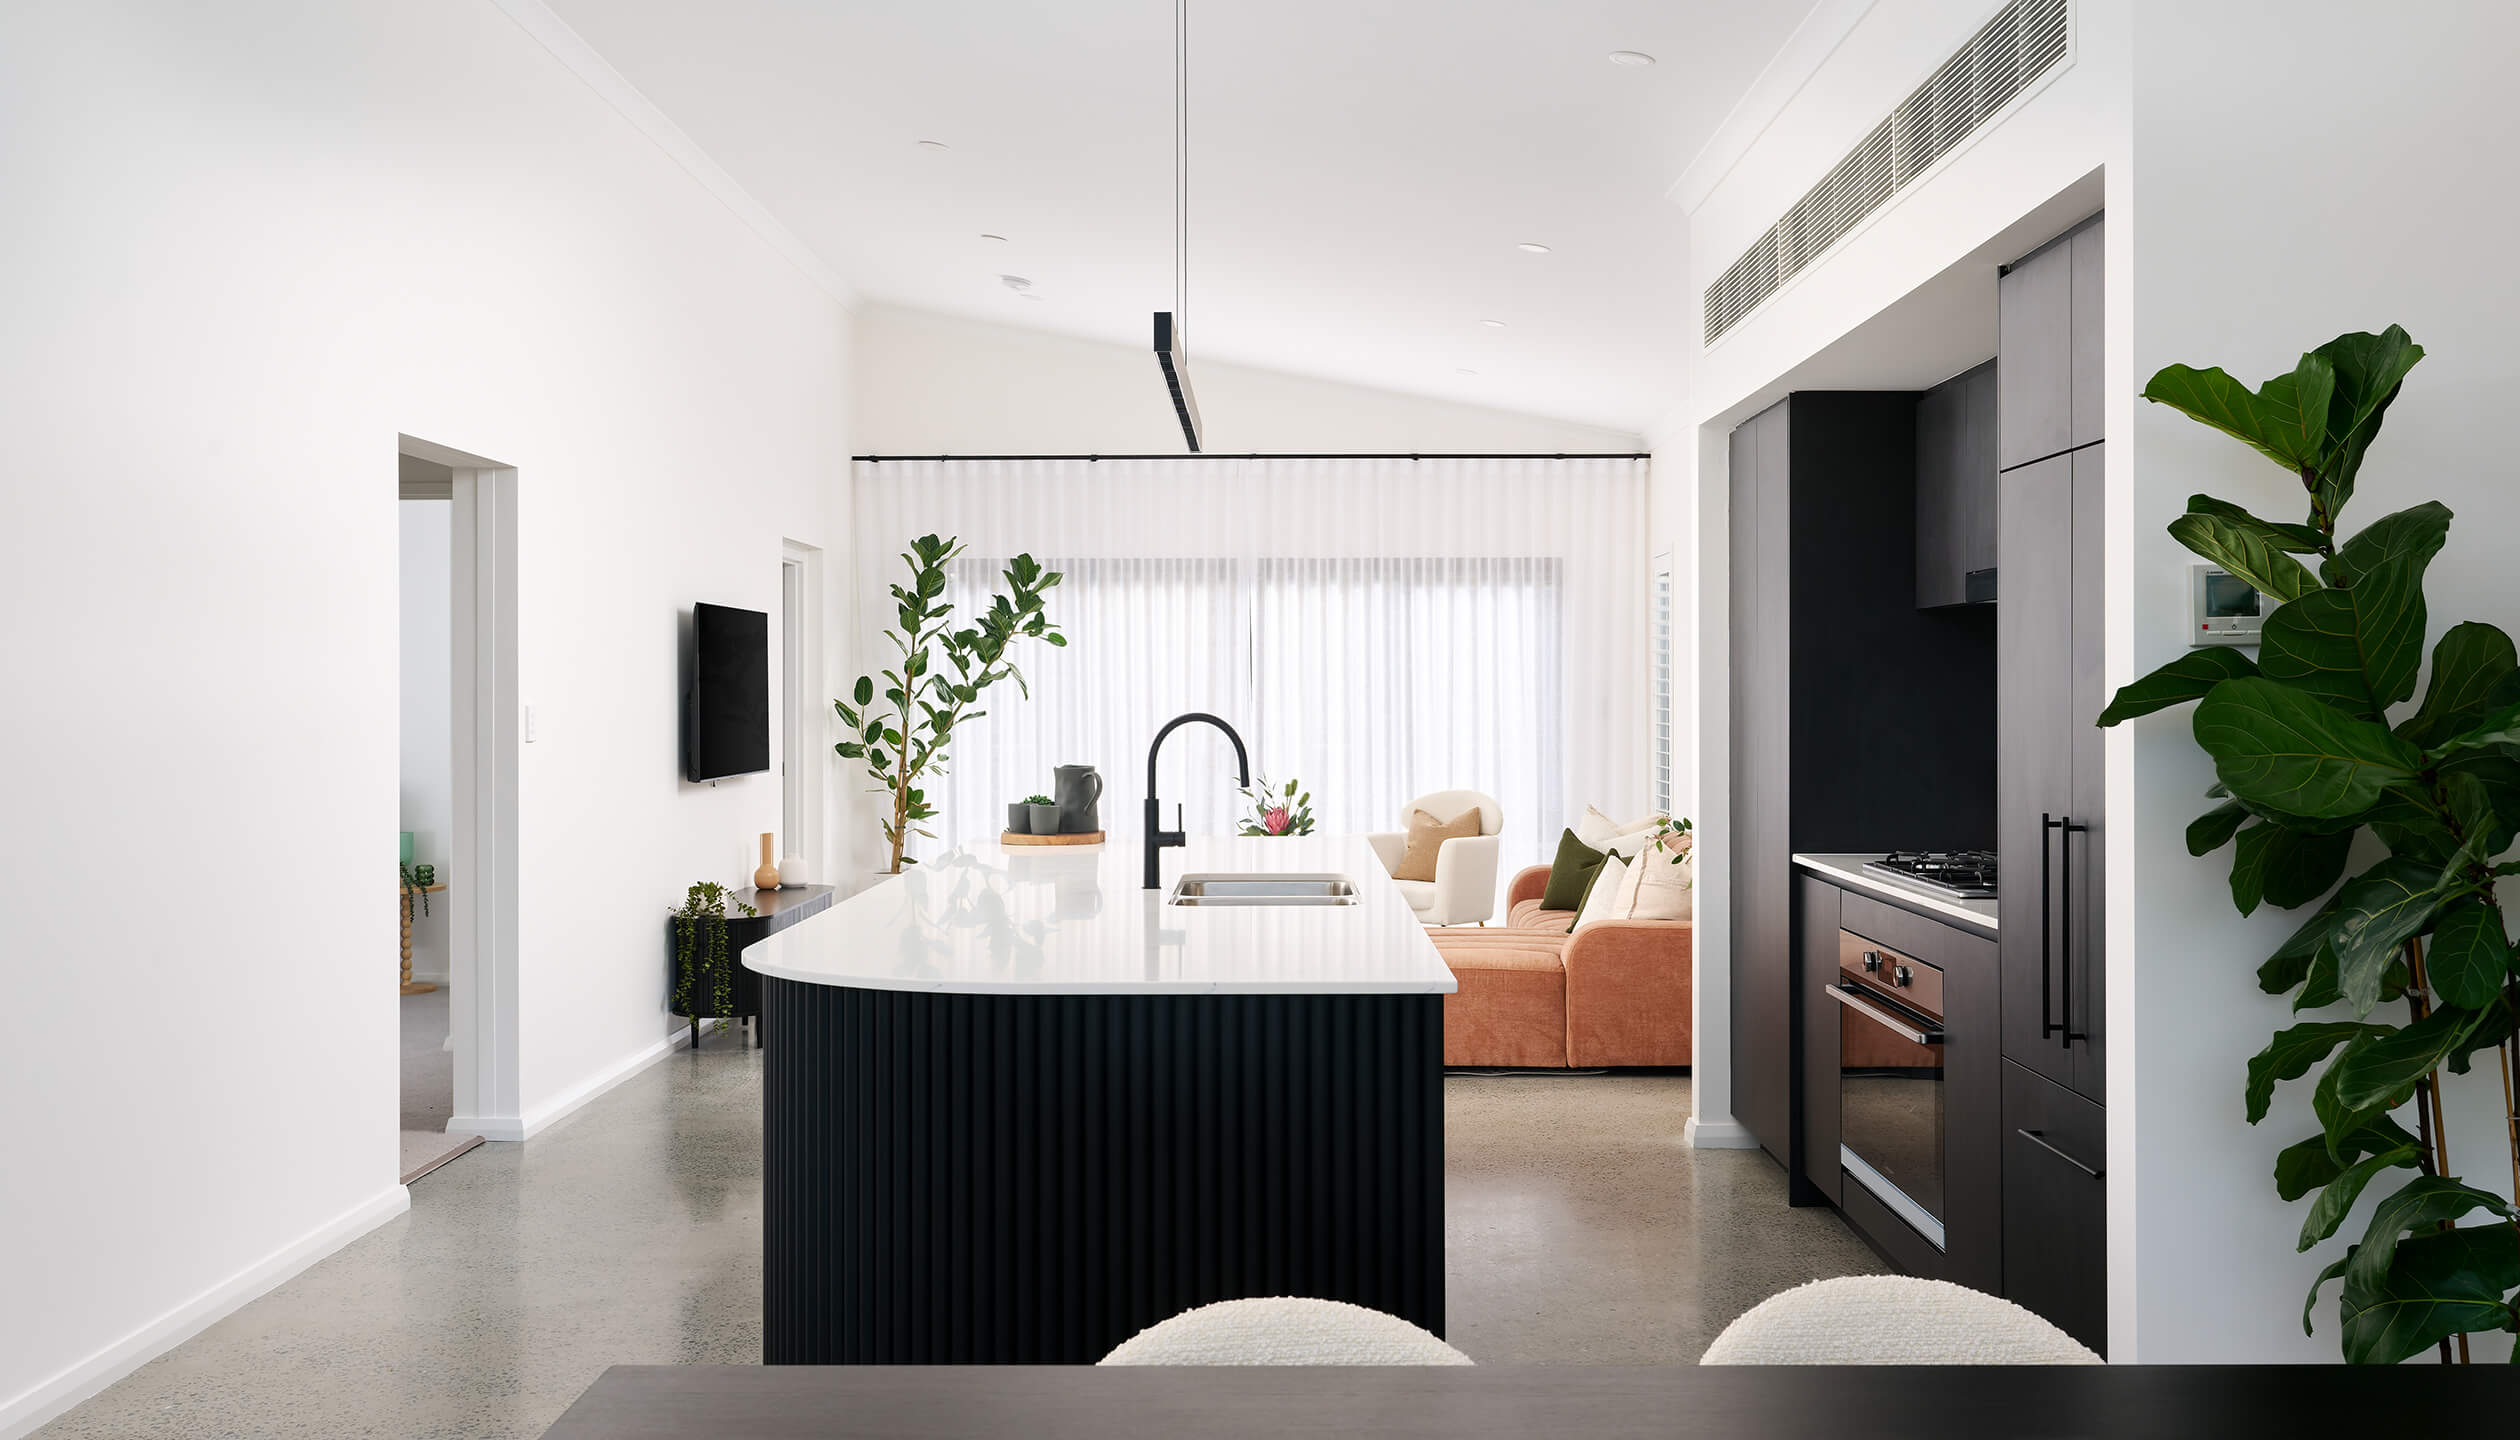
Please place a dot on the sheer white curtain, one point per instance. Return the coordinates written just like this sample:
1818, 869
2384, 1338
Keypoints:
1376, 629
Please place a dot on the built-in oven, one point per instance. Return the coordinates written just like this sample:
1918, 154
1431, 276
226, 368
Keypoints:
1890, 1079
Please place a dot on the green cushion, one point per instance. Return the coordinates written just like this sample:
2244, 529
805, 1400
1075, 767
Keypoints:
1589, 887
1571, 874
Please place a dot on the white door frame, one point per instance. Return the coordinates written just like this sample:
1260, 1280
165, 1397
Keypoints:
803, 763
484, 1022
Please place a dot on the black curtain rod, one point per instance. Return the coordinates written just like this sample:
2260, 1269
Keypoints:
1256, 455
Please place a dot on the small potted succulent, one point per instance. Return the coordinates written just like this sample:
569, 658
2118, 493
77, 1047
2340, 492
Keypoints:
1044, 814
1278, 810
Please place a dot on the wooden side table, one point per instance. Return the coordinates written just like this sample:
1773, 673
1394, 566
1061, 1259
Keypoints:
410, 986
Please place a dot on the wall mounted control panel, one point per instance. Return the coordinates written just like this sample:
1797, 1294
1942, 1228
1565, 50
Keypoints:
2223, 609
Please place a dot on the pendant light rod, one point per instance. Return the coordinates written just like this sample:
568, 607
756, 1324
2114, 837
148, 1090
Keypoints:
1172, 327
1181, 170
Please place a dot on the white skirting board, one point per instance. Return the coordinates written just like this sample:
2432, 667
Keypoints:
20, 1414
551, 1112
1717, 1135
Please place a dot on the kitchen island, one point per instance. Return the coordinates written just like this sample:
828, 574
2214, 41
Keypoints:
1020, 1107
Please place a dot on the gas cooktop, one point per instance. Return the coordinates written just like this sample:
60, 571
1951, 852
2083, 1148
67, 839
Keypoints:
1964, 874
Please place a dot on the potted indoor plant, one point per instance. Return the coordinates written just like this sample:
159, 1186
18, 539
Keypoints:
2312, 745
900, 733
1042, 813
704, 973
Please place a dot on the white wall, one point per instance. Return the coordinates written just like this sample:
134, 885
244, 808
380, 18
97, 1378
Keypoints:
245, 245
428, 782
934, 384
2380, 206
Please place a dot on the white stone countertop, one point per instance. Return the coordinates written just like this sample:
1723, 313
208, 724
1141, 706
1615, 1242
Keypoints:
1849, 871
1074, 920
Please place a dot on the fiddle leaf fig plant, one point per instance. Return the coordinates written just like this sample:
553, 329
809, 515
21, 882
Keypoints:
2314, 744
900, 732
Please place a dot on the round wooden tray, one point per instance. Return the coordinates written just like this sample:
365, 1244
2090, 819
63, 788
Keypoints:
1090, 837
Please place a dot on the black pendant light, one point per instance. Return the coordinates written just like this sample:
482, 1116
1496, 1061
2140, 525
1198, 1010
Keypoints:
1172, 327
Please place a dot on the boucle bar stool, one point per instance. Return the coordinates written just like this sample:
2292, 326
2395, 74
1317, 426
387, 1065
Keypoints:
1283, 1330
1891, 1320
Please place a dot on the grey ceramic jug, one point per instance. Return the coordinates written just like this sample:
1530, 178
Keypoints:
1079, 793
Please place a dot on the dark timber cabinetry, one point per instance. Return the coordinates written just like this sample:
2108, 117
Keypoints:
1859, 722
2048, 383
2051, 812
1955, 491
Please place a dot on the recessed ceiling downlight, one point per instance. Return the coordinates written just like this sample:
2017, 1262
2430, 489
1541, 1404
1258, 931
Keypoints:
1634, 58
1532, 247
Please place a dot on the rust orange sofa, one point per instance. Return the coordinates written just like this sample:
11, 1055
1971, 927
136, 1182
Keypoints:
1534, 996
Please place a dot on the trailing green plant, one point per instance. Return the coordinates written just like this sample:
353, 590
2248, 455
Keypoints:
1276, 811
416, 880
944, 668
1673, 838
704, 973
2313, 745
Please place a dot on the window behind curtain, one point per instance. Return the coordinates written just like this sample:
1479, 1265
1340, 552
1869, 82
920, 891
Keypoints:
1370, 680
1662, 687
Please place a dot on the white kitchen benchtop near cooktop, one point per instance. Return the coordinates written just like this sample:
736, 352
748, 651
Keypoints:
1074, 920
1849, 871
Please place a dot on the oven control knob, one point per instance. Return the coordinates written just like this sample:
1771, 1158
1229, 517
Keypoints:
1902, 976
1872, 962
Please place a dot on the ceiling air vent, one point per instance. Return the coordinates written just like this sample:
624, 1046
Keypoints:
2020, 44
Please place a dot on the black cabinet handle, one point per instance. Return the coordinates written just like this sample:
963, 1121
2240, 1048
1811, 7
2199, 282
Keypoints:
2047, 926
2065, 1031
2063, 1026
2035, 1138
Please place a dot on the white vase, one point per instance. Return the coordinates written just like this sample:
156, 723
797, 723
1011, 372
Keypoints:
792, 873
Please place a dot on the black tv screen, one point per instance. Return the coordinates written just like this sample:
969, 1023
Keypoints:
726, 713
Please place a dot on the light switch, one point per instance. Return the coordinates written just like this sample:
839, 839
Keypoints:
530, 726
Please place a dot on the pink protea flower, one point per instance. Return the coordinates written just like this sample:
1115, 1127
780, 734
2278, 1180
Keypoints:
1275, 820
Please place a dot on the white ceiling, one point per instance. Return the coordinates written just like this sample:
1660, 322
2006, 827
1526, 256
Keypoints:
1361, 173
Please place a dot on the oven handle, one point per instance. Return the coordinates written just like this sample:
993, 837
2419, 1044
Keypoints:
1846, 995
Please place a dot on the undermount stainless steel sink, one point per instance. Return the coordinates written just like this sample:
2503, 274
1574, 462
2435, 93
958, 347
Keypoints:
1262, 890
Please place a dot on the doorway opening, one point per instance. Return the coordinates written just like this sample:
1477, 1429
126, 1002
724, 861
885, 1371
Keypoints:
800, 690
460, 722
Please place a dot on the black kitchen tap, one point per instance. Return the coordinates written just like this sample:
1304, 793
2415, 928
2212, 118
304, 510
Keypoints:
1156, 836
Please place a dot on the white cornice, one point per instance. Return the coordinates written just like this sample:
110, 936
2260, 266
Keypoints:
570, 48
1801, 57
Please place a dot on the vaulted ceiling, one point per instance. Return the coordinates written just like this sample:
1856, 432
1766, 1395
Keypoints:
1362, 172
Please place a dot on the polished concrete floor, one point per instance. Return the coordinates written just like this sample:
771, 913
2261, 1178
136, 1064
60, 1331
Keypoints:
428, 1067
1580, 1232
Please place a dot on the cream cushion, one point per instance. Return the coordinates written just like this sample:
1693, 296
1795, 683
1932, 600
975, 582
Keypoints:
1283, 1330
1602, 833
1891, 1320
1656, 887
1601, 902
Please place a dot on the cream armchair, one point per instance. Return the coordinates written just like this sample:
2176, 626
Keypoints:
1463, 891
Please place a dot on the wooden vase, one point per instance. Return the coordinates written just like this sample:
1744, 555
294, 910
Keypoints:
767, 877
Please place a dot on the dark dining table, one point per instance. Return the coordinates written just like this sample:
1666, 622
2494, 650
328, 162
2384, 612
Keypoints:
1855, 1402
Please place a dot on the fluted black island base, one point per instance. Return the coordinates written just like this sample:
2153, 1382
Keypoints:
1033, 1178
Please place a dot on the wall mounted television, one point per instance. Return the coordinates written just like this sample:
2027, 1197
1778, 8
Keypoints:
726, 709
